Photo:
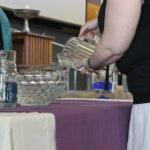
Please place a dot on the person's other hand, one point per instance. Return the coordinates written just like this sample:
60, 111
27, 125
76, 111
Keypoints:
83, 69
99, 74
89, 29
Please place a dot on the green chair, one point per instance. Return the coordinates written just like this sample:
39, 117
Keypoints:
5, 32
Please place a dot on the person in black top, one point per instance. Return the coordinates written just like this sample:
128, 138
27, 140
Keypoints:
125, 27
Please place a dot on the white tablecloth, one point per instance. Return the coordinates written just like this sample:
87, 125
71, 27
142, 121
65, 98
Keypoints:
27, 131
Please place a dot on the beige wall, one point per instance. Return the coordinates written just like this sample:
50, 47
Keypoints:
69, 11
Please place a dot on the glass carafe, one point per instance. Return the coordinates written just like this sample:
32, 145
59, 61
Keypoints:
76, 49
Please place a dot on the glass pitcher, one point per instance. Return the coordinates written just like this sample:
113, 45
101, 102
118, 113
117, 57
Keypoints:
76, 49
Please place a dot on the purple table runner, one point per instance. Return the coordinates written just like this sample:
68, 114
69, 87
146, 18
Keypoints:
87, 125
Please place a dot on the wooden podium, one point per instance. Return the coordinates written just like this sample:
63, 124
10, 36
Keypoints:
32, 48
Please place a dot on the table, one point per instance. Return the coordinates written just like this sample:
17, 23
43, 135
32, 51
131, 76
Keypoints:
87, 125
18, 131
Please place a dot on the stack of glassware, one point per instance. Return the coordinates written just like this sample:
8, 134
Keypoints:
29, 84
40, 84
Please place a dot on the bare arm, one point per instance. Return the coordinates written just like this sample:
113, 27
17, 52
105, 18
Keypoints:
121, 20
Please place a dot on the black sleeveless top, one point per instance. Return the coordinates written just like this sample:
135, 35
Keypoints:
139, 49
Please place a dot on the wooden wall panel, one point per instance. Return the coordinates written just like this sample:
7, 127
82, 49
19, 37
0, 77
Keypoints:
92, 11
32, 49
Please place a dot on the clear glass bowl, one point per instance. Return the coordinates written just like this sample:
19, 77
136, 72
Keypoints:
40, 84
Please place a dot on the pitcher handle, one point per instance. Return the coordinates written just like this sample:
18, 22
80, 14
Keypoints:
96, 39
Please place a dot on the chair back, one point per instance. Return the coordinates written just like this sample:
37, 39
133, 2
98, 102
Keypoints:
5, 32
